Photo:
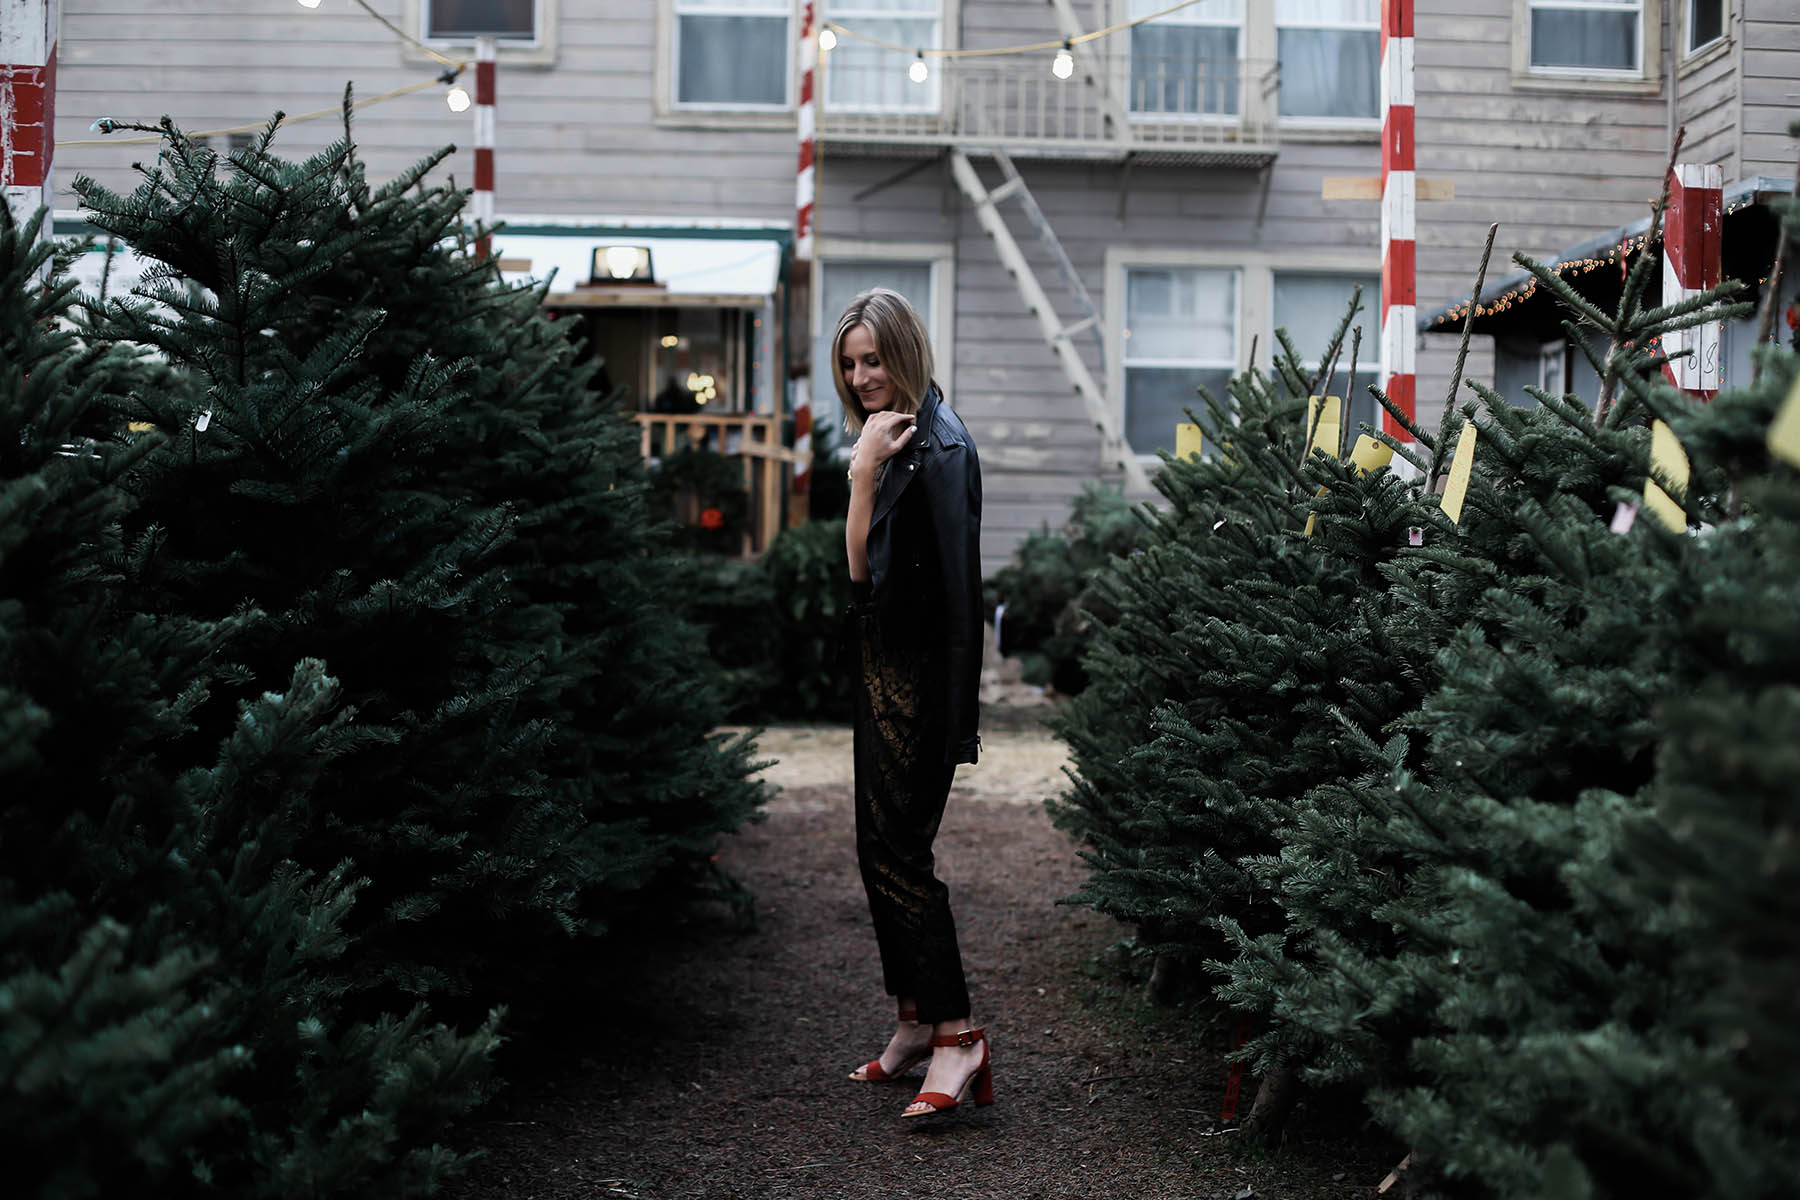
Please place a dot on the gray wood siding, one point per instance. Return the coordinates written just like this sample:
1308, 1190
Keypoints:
1771, 86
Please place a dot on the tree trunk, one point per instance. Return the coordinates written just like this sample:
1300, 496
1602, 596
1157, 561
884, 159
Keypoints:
1276, 1096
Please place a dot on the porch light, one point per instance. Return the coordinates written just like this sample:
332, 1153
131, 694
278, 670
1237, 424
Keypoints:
458, 99
1063, 65
918, 71
309, 3
827, 39
622, 264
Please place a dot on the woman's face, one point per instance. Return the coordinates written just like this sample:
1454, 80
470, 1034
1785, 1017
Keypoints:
863, 370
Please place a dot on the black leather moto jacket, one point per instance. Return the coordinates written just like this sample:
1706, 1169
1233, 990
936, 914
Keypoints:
925, 558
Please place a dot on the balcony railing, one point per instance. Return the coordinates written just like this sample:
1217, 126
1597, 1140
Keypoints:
1193, 109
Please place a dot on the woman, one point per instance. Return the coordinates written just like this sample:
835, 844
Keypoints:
913, 537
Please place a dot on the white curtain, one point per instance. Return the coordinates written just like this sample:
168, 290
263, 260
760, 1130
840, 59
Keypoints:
861, 76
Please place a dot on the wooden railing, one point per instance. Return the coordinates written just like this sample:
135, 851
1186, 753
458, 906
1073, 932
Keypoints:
1177, 107
754, 438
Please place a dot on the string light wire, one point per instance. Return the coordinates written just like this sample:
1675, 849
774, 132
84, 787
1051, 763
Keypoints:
455, 68
996, 52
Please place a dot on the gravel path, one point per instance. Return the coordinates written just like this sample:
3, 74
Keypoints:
717, 1069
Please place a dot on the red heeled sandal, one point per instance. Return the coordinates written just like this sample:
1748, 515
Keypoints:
873, 1072
981, 1082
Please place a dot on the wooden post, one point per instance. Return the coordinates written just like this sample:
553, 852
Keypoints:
28, 31
1692, 264
1399, 198
481, 205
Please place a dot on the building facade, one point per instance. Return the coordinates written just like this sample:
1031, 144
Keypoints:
1162, 190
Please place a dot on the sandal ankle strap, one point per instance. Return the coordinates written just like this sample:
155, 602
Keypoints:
967, 1037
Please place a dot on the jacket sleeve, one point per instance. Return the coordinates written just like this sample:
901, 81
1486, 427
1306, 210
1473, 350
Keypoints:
955, 502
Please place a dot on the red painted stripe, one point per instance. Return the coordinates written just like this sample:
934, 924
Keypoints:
1396, 20
1399, 274
803, 222
1397, 146
33, 91
1691, 234
484, 83
806, 87
806, 155
484, 170
1403, 391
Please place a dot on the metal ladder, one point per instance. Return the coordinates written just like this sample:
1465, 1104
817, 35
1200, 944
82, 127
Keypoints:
1060, 336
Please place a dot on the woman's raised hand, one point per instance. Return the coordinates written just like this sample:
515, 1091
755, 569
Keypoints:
884, 435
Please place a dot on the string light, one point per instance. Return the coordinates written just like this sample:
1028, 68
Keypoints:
458, 99
918, 71
1063, 65
827, 40
309, 3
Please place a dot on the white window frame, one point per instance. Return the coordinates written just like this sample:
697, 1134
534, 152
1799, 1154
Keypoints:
1705, 50
940, 322
948, 18
1254, 13
1255, 296
668, 59
541, 51
1645, 80
1357, 124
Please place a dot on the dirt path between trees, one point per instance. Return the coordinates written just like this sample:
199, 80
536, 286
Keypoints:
717, 1070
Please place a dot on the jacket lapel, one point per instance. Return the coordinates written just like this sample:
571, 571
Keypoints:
904, 465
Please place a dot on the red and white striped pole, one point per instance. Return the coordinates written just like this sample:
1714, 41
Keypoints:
1399, 199
482, 206
804, 183
27, 106
1693, 263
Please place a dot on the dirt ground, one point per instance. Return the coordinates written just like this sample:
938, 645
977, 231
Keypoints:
719, 1070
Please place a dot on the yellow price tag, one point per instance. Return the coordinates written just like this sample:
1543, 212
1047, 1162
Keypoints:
1324, 424
1369, 454
1667, 456
1784, 431
1462, 464
1188, 440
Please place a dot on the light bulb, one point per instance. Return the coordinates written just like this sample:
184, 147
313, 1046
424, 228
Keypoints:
1063, 65
827, 39
458, 99
309, 3
918, 71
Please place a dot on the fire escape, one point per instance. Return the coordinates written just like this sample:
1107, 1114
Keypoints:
1113, 107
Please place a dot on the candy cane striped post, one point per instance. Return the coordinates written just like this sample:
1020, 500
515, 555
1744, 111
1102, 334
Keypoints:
804, 183
481, 207
1692, 264
1399, 198
27, 106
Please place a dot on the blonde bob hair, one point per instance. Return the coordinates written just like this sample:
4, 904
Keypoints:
901, 344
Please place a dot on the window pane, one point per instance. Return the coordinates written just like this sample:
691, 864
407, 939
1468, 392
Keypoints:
1706, 22
476, 18
1184, 70
863, 76
1206, 12
1328, 12
732, 60
1309, 306
842, 282
1595, 39
1330, 72
1156, 396
1181, 314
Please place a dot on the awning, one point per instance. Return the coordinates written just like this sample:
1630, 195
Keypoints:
709, 268
1520, 305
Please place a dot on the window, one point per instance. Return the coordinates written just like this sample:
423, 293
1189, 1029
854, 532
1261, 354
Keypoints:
841, 281
861, 77
1188, 63
1705, 23
1587, 36
732, 54
1329, 53
1181, 333
1309, 306
460, 20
